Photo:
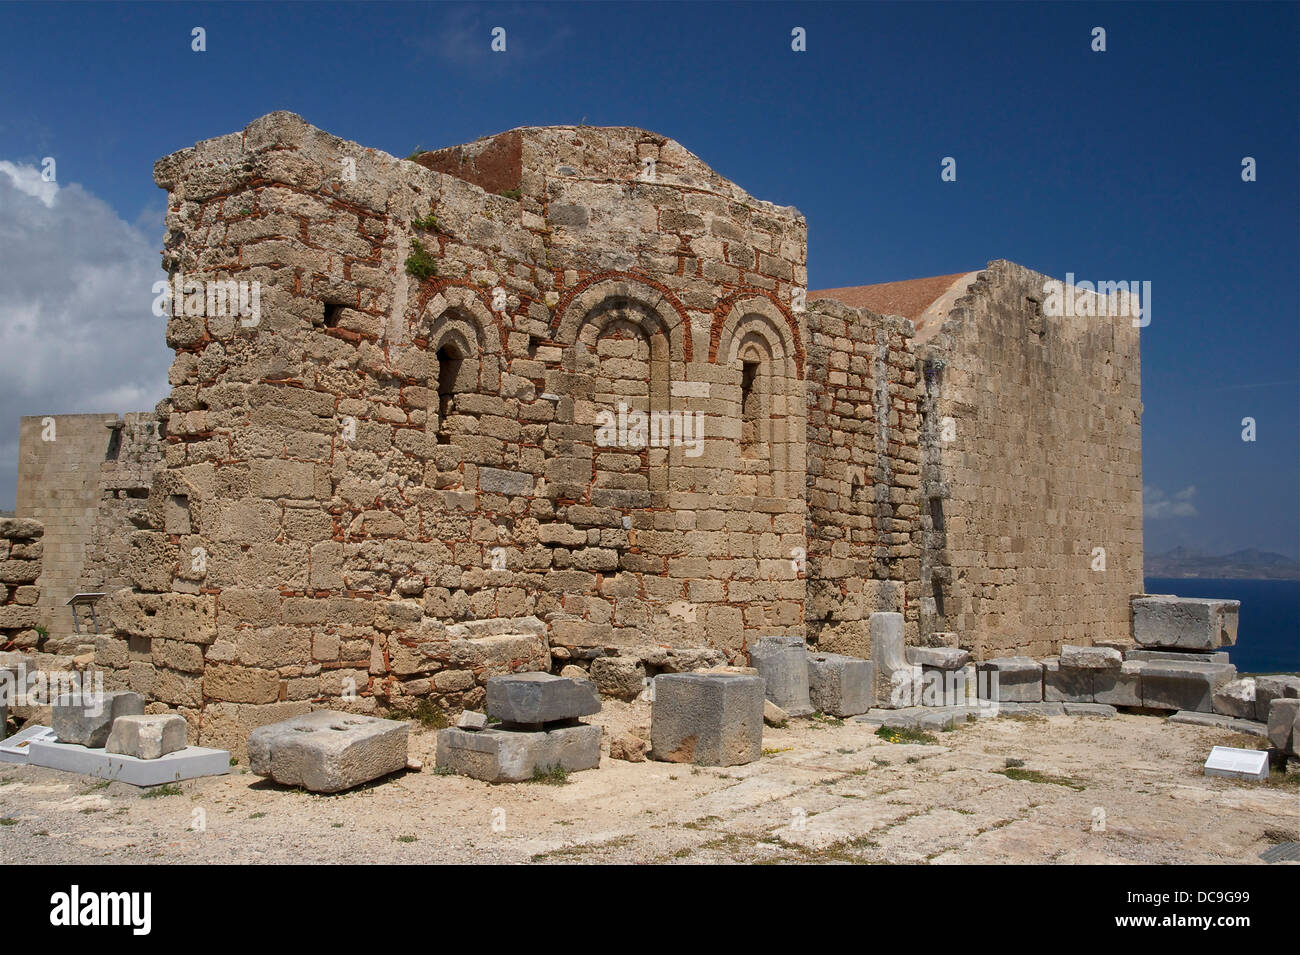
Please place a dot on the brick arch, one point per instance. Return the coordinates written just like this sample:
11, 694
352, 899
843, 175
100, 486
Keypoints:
454, 303
607, 290
731, 313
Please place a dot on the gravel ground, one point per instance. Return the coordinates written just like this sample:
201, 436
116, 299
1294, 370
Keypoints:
1125, 790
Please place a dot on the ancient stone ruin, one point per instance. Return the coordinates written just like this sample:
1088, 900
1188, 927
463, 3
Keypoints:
559, 400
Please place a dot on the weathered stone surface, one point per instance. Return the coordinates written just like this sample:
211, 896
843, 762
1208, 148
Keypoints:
938, 658
87, 720
627, 746
326, 752
470, 720
897, 682
782, 662
1236, 699
1178, 656
773, 715
1067, 684
497, 755
945, 687
840, 685
1284, 725
147, 737
1248, 727
1187, 623
1010, 680
1122, 687
1089, 709
1090, 658
1187, 686
1270, 688
532, 698
713, 719
622, 678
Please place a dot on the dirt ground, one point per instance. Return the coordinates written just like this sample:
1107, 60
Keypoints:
1125, 790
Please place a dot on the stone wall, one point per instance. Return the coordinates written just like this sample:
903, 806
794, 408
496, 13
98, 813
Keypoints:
1033, 467
412, 435
864, 475
21, 550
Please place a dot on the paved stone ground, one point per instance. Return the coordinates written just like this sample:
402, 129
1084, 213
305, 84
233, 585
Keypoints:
861, 798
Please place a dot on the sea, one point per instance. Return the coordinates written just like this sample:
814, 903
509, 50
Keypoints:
1268, 629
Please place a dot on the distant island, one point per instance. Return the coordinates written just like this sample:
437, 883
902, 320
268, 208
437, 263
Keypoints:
1250, 564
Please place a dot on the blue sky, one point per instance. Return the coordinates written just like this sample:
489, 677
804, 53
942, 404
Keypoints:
1117, 165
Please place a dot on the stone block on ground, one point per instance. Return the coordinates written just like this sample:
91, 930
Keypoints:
327, 752
1122, 687
629, 747
533, 698
1284, 725
1236, 699
711, 719
622, 678
1062, 684
1089, 709
87, 719
782, 662
1219, 721
1090, 658
938, 658
1183, 686
511, 756
773, 715
1010, 680
1184, 623
147, 737
1270, 688
840, 685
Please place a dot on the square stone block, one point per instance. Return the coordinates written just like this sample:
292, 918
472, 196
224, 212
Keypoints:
512, 756
782, 662
147, 737
840, 685
938, 658
327, 752
941, 686
1090, 658
1063, 684
533, 698
1010, 680
710, 719
1185, 623
1183, 686
87, 719
1270, 688
1236, 699
1284, 725
1122, 687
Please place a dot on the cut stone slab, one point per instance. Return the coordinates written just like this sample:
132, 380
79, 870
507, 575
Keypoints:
840, 685
1236, 763
14, 749
1010, 680
944, 687
532, 698
1284, 725
1062, 684
773, 715
1183, 686
1090, 658
782, 662
327, 752
1185, 623
513, 756
1090, 709
938, 658
713, 719
895, 679
188, 763
1236, 699
147, 737
87, 719
470, 720
1178, 656
1122, 687
1270, 688
1219, 721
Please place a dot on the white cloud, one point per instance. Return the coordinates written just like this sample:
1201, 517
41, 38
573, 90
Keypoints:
76, 330
1156, 504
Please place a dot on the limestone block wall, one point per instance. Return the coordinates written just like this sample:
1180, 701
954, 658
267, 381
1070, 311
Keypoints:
21, 550
864, 475
1033, 471
59, 459
413, 435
